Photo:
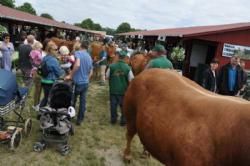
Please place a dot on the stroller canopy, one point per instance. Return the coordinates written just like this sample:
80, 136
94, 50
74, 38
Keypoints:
8, 87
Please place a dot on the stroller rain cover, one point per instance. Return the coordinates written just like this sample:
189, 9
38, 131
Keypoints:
8, 87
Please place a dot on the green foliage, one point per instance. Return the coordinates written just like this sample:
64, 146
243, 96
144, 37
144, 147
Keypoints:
46, 15
9, 3
89, 24
2, 30
109, 31
97, 27
27, 7
178, 54
123, 27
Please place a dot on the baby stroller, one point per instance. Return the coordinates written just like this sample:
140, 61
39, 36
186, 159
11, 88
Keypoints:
55, 118
12, 98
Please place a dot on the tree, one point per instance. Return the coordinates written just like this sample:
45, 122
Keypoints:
27, 7
123, 27
97, 27
9, 3
46, 15
87, 23
109, 31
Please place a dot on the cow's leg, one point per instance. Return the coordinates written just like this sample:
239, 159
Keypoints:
131, 131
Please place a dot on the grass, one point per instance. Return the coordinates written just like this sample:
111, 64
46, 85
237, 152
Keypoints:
95, 143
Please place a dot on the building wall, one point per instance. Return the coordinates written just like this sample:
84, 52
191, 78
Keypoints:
237, 38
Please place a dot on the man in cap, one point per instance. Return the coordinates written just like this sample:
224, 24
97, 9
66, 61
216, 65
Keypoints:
119, 75
210, 76
159, 59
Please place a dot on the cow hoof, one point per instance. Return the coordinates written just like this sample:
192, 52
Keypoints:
127, 158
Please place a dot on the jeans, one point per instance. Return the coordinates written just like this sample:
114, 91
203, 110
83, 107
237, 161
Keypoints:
27, 79
116, 100
38, 89
82, 91
46, 90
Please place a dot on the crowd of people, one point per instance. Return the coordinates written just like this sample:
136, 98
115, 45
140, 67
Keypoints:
41, 64
229, 80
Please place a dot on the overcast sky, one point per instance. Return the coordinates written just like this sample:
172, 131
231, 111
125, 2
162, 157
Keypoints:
146, 14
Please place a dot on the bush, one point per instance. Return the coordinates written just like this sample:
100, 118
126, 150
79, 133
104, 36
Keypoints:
177, 54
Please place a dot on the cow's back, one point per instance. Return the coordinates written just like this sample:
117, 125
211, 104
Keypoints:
177, 119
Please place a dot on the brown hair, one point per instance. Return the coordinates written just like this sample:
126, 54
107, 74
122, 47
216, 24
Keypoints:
215, 60
51, 48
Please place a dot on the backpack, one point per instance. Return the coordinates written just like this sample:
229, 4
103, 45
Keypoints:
43, 69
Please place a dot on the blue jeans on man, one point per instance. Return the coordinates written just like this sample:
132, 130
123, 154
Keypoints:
116, 100
81, 89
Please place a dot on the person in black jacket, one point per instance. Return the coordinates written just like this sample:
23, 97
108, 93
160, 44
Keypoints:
230, 79
209, 80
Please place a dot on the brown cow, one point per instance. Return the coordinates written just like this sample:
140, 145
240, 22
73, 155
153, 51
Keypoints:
61, 42
97, 47
182, 124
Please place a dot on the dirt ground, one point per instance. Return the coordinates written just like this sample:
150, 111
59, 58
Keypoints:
95, 143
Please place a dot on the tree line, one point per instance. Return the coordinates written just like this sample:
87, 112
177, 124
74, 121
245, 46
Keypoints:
86, 23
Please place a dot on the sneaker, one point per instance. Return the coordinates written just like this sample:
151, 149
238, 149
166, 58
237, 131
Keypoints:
36, 107
78, 123
113, 122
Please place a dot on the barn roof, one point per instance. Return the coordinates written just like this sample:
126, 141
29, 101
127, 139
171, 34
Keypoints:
13, 14
191, 31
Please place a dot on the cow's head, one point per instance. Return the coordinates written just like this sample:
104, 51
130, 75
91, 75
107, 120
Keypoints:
138, 62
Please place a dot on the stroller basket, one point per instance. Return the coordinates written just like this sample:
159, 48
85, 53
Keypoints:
14, 104
8, 108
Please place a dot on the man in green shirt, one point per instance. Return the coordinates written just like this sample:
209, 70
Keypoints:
159, 58
119, 75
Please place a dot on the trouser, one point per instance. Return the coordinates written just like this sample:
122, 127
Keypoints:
103, 69
27, 79
46, 90
81, 89
38, 89
116, 100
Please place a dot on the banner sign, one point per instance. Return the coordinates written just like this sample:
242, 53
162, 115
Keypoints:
229, 50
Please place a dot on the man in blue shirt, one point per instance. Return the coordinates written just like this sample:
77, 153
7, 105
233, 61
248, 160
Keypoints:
230, 78
81, 73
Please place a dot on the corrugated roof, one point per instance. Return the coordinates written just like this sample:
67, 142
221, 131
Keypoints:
13, 14
192, 31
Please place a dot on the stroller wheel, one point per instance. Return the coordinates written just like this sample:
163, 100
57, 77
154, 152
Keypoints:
27, 127
15, 139
39, 146
64, 149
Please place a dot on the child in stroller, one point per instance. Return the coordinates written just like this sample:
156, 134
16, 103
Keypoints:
55, 118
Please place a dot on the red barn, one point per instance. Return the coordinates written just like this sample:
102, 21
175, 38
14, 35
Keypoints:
202, 43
